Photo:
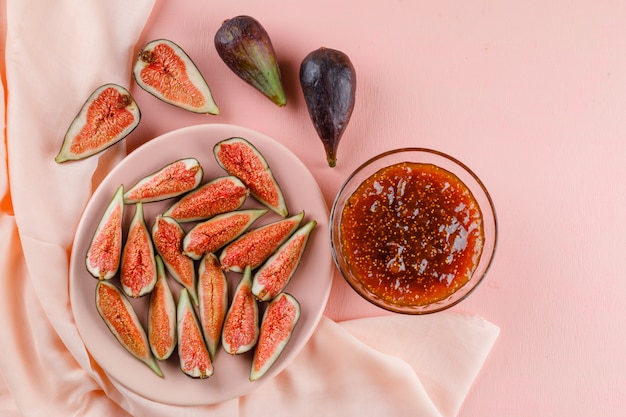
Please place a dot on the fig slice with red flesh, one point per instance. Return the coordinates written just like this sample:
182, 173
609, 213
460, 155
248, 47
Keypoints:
164, 69
241, 325
167, 236
193, 354
105, 249
243, 160
256, 245
212, 300
138, 272
272, 278
174, 179
277, 325
212, 234
221, 195
162, 316
108, 116
121, 318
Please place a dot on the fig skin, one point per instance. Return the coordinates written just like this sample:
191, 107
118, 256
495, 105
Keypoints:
246, 48
328, 82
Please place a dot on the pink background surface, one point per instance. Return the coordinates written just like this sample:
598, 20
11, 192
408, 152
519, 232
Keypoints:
531, 95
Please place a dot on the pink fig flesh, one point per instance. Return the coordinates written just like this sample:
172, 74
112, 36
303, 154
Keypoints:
105, 250
162, 316
138, 273
194, 357
241, 326
212, 300
172, 180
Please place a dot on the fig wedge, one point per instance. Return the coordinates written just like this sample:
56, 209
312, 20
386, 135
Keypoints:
221, 195
174, 179
108, 116
212, 301
271, 278
328, 82
256, 245
194, 357
212, 234
246, 48
120, 317
241, 325
164, 69
277, 325
105, 249
162, 316
138, 272
167, 236
241, 159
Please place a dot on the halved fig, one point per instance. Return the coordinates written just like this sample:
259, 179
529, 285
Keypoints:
162, 316
194, 357
241, 326
167, 236
120, 317
221, 195
105, 250
212, 234
108, 116
279, 320
256, 245
212, 300
172, 180
165, 70
241, 159
271, 278
138, 273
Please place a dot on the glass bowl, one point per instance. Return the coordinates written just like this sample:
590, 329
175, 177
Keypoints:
390, 263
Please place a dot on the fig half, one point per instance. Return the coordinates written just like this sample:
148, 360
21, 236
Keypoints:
138, 272
105, 249
162, 316
212, 300
328, 82
194, 357
241, 325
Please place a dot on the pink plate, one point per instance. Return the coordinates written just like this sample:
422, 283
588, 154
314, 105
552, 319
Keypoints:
310, 285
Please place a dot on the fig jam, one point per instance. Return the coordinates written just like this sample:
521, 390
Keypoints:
412, 233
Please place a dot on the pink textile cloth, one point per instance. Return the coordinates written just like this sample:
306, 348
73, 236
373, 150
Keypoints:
390, 365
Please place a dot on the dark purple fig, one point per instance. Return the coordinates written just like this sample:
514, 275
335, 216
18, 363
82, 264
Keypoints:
109, 115
328, 82
170, 181
165, 70
105, 249
212, 234
167, 236
193, 354
138, 272
120, 317
246, 48
162, 316
241, 159
271, 278
256, 245
212, 300
241, 326
218, 196
279, 320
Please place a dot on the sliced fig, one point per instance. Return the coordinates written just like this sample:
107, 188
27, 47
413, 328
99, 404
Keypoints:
138, 273
194, 357
167, 236
212, 300
271, 278
108, 116
162, 316
241, 325
256, 245
174, 179
328, 82
245, 47
242, 160
221, 195
120, 317
212, 234
277, 325
164, 69
105, 250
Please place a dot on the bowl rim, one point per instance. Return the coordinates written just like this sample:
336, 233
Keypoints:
400, 308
